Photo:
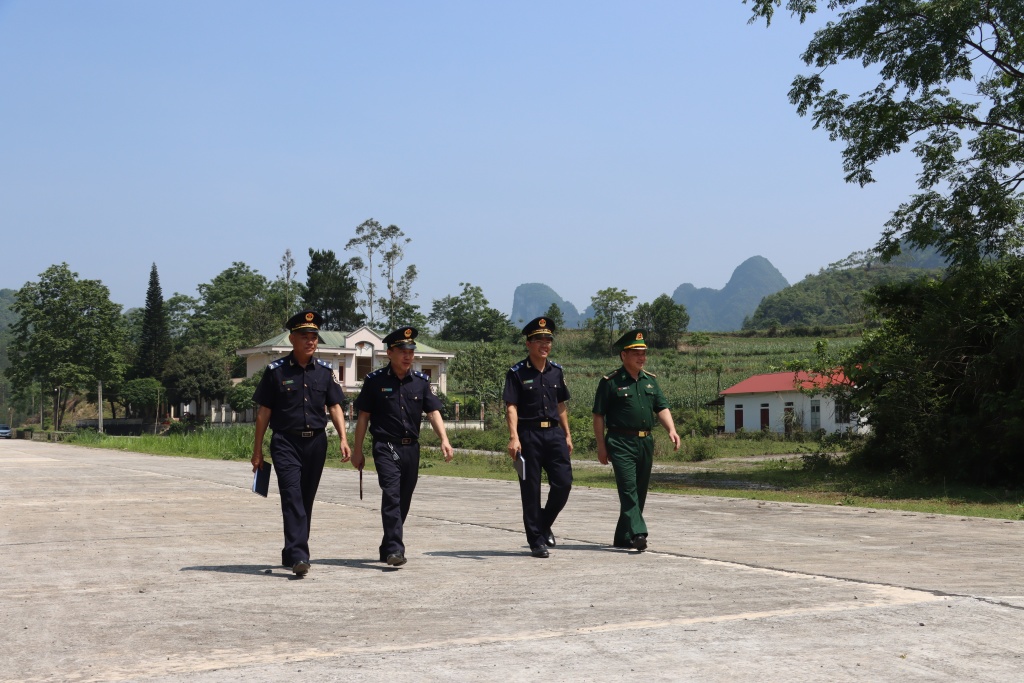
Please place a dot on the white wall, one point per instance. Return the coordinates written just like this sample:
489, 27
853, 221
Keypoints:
776, 410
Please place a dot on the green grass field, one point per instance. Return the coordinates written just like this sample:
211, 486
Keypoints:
766, 469
752, 466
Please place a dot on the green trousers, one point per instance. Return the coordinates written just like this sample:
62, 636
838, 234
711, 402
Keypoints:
631, 458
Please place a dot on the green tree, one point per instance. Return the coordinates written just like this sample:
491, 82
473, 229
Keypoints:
941, 380
331, 291
286, 289
469, 317
951, 87
180, 308
480, 371
154, 345
235, 310
140, 397
554, 314
196, 373
611, 313
386, 289
239, 397
664, 319
68, 335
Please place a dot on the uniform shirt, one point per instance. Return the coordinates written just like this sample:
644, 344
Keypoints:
396, 406
535, 394
296, 394
626, 403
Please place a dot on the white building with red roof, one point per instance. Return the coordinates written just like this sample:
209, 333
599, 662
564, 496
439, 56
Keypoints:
783, 401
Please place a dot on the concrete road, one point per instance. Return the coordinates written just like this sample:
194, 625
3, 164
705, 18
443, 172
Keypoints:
127, 567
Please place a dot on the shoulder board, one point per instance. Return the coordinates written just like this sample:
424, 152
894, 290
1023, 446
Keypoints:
420, 375
555, 364
650, 374
518, 366
323, 363
612, 373
276, 364
376, 372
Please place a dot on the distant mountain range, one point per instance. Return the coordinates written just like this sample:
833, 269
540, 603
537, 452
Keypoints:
534, 299
711, 310
723, 310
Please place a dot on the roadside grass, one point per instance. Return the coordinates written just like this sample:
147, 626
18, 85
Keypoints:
773, 470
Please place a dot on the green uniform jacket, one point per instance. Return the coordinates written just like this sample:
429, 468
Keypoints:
626, 403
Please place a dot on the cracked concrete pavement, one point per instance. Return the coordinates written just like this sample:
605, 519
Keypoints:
128, 567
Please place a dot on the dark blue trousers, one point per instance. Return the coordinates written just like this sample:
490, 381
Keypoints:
398, 469
543, 449
299, 463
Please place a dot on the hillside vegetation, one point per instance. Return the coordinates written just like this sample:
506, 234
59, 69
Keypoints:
829, 298
836, 294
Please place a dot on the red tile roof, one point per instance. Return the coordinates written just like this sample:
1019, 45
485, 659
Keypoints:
784, 381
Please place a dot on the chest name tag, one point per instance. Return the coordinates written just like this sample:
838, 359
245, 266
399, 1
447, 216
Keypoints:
288, 381
386, 390
529, 381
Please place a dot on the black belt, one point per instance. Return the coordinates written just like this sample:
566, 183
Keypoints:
307, 434
629, 432
543, 424
404, 442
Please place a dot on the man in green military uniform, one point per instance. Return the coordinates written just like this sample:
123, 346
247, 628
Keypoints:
625, 406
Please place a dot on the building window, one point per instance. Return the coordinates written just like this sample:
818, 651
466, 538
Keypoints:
364, 366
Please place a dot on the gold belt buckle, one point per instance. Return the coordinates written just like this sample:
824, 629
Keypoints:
642, 434
545, 424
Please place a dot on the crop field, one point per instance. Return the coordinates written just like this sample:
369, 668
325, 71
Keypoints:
690, 377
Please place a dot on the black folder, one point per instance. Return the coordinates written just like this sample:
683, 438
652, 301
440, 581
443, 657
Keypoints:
261, 479
520, 465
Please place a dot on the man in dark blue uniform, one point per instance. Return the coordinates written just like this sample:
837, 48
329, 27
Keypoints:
392, 403
292, 396
538, 425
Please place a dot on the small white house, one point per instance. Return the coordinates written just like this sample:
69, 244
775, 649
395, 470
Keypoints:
779, 402
353, 355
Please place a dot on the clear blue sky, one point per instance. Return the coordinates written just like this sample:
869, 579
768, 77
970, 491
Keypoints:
584, 144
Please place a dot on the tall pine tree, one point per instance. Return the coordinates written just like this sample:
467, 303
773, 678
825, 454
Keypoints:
155, 340
331, 291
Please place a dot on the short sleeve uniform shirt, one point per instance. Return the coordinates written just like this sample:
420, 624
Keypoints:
396, 406
297, 394
535, 394
626, 403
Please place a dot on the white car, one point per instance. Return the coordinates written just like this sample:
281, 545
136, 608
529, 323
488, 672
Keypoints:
5, 431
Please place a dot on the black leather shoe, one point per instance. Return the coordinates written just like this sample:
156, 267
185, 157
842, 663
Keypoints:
301, 568
640, 542
550, 539
539, 551
396, 559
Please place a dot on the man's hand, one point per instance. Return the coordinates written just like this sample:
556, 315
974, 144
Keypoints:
514, 447
568, 442
257, 459
447, 450
346, 452
357, 459
675, 440
602, 453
